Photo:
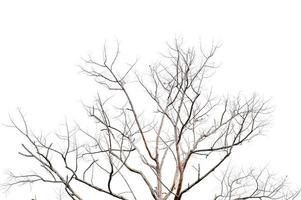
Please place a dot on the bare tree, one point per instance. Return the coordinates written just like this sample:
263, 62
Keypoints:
187, 134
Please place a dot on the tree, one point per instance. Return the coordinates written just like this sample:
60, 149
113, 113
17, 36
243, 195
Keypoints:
184, 134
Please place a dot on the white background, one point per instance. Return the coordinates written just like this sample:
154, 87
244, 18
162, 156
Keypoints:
41, 43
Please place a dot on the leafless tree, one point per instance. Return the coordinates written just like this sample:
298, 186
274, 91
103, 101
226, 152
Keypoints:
187, 134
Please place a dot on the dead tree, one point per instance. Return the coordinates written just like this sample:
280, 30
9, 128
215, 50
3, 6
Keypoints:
188, 134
